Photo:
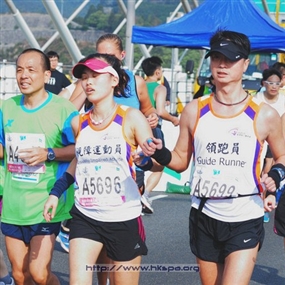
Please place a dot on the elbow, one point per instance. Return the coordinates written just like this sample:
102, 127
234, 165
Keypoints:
180, 169
177, 168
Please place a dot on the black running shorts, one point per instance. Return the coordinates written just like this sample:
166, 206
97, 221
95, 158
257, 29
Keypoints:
279, 218
124, 241
213, 240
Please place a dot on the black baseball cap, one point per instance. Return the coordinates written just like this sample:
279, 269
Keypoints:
229, 49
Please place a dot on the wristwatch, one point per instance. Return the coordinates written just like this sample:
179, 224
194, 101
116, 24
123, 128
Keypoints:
50, 155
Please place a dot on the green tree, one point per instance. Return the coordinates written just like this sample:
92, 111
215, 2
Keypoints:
98, 20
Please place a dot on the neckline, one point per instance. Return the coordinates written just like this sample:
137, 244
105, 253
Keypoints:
231, 104
97, 123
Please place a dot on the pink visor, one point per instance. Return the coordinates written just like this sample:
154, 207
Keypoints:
94, 64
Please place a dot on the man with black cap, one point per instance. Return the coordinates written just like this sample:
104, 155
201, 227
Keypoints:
226, 132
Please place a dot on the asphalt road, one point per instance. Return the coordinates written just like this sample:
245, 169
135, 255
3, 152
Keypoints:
168, 245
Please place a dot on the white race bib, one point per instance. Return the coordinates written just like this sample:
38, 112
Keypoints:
17, 141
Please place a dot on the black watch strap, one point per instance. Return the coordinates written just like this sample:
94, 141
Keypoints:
50, 155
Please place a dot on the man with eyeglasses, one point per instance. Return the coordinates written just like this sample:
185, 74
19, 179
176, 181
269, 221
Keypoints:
271, 82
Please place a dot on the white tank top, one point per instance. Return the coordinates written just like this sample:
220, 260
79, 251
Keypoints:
279, 105
105, 175
227, 163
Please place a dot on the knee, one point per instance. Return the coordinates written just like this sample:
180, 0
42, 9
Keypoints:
21, 277
40, 276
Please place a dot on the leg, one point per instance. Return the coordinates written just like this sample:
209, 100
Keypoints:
83, 255
239, 264
103, 259
125, 277
210, 272
152, 181
63, 236
3, 267
18, 254
40, 257
154, 177
4, 273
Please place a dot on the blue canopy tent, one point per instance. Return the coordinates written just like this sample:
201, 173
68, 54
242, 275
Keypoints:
195, 29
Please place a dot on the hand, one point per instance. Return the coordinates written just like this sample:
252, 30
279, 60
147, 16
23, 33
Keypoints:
268, 182
137, 157
153, 120
269, 203
175, 122
51, 204
33, 156
150, 145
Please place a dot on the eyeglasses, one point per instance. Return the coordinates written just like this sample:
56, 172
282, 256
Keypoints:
273, 83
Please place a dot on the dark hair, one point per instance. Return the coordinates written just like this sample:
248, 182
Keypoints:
269, 72
280, 66
151, 64
52, 53
116, 64
112, 38
44, 59
238, 39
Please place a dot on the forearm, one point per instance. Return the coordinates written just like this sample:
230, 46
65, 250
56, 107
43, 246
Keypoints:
178, 163
78, 101
149, 110
66, 153
65, 180
72, 167
166, 116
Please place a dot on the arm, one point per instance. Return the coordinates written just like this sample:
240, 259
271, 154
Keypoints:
182, 152
274, 135
270, 200
181, 155
138, 131
160, 99
64, 93
268, 161
78, 96
269, 127
67, 92
145, 105
35, 155
168, 90
283, 124
59, 187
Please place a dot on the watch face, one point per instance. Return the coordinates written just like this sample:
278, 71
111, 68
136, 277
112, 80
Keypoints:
51, 155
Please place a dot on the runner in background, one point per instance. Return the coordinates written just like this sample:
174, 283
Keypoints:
152, 67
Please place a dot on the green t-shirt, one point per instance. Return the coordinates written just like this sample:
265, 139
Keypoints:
2, 172
25, 189
150, 88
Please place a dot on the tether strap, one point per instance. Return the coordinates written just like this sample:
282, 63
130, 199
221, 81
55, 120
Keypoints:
204, 199
202, 204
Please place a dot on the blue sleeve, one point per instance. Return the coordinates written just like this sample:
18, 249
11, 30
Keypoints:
67, 132
2, 137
